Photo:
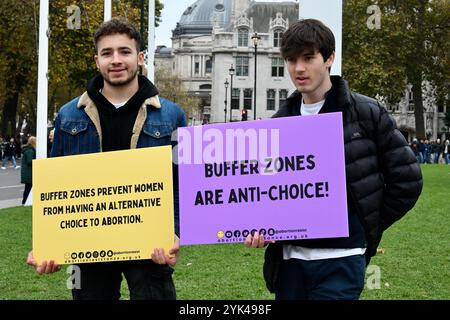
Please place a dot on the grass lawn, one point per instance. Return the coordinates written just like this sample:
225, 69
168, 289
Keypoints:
415, 263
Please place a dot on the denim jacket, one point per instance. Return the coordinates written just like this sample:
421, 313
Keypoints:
78, 130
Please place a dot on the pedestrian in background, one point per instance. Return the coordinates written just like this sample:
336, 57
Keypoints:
50, 142
446, 151
26, 176
10, 154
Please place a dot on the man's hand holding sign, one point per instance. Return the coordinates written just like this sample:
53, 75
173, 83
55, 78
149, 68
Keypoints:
44, 267
160, 257
256, 241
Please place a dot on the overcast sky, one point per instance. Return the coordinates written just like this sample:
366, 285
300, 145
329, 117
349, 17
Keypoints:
171, 14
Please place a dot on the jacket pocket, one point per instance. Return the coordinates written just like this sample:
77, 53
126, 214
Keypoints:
155, 134
79, 137
74, 127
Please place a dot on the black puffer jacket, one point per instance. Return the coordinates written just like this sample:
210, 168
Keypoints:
383, 177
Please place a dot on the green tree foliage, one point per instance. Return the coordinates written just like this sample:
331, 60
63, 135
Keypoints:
158, 9
72, 24
171, 87
18, 27
410, 45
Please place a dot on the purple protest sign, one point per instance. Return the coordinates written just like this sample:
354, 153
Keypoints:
283, 177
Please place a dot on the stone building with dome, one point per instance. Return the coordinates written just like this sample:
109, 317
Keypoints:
214, 36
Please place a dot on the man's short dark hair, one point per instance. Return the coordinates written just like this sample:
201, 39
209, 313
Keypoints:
307, 34
117, 26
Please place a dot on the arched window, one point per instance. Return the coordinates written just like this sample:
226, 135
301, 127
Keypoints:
282, 97
277, 34
242, 37
205, 87
270, 99
208, 64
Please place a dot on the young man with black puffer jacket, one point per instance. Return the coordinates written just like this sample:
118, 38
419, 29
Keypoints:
383, 177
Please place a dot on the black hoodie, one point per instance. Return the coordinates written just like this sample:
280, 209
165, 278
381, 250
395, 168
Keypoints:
117, 124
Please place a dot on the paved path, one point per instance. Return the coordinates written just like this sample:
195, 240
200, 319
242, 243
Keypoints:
10, 203
11, 189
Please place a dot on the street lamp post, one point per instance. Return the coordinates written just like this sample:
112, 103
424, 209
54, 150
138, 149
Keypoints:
226, 98
231, 70
255, 39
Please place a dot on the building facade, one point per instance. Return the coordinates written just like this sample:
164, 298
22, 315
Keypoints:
434, 116
214, 36
233, 47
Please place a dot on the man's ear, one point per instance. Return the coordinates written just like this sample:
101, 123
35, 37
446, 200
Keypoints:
96, 60
141, 58
330, 60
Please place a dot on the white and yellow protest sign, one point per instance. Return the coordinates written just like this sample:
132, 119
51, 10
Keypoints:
103, 207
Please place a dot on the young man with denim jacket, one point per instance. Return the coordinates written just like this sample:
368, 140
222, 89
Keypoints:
120, 110
383, 177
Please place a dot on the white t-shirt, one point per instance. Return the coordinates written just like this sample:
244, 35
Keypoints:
117, 105
310, 109
303, 253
